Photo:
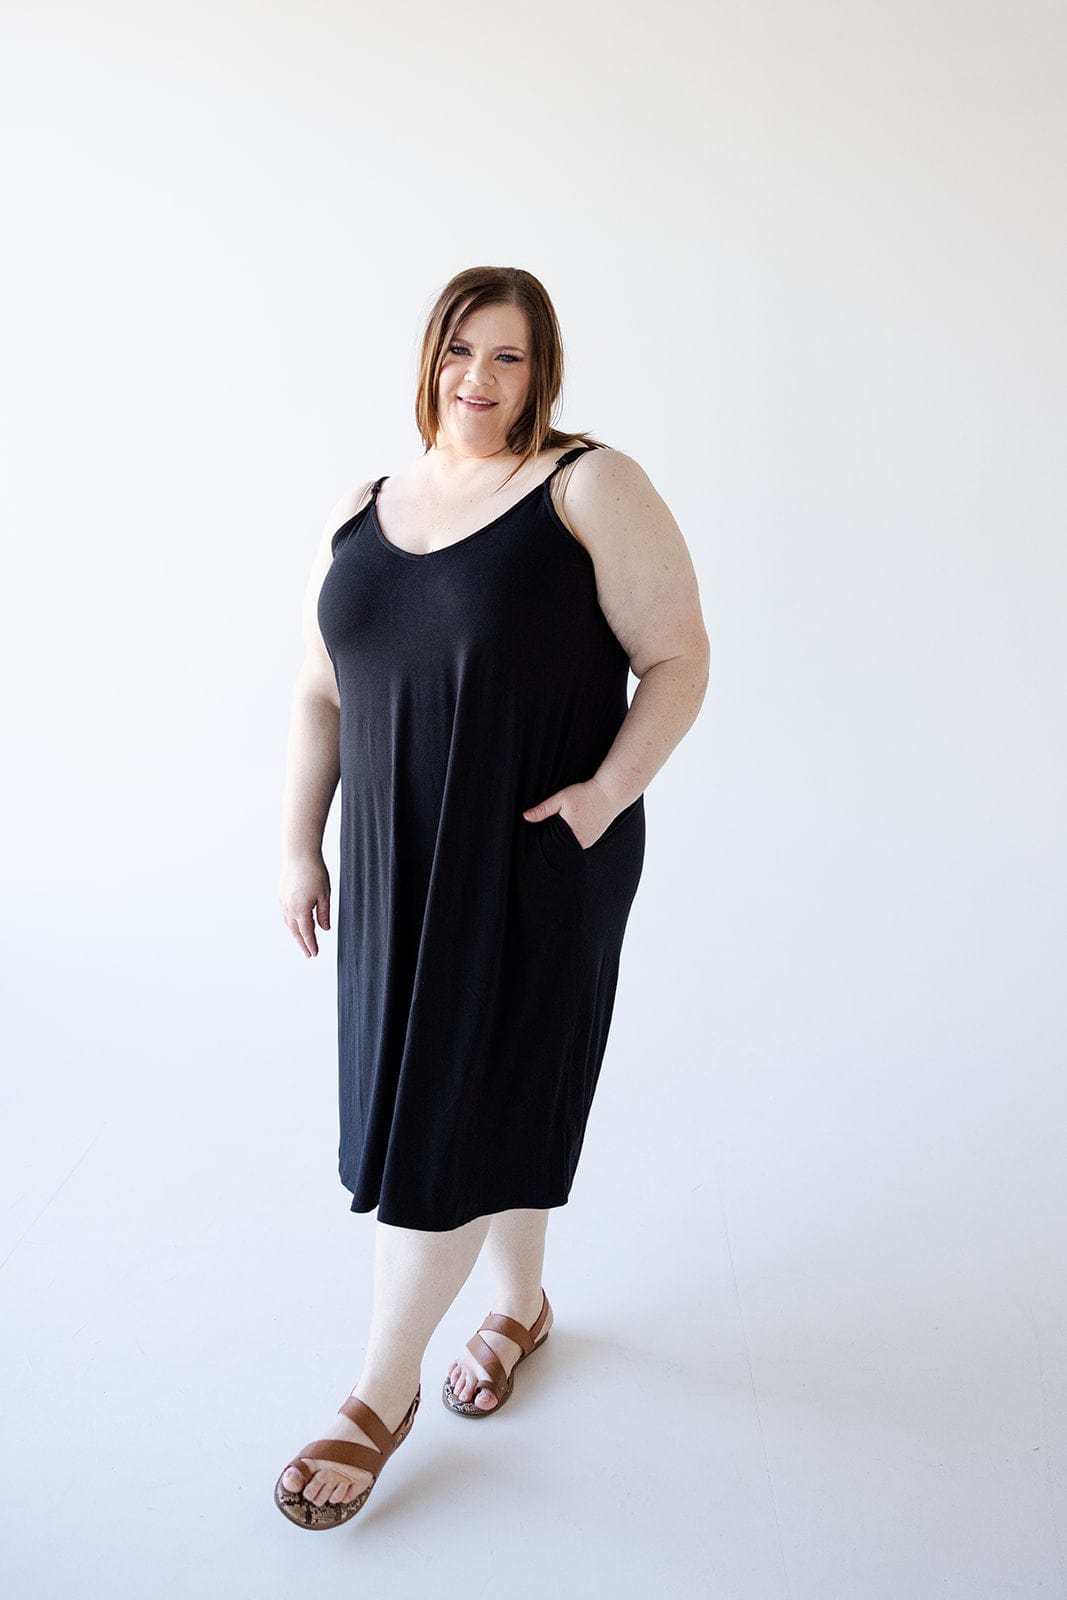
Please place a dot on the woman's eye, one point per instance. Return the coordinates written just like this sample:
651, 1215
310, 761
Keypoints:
461, 350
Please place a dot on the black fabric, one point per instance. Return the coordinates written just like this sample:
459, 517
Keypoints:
477, 953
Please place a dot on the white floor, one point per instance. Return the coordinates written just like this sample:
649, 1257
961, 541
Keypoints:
817, 1354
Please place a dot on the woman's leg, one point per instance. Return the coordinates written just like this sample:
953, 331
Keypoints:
416, 1278
515, 1249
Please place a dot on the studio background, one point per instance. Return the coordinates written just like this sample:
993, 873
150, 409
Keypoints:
808, 261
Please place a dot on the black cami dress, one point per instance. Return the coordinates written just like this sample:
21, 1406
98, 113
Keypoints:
477, 953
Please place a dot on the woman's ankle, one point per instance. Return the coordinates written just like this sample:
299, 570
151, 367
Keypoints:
522, 1304
388, 1393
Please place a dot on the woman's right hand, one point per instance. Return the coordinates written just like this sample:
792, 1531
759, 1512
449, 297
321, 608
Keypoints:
303, 891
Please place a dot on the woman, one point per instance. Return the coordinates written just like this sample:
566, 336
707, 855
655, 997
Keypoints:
470, 630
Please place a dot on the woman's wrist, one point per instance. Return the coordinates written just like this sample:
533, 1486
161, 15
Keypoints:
301, 850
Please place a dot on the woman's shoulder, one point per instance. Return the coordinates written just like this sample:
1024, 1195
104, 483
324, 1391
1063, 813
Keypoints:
596, 484
606, 462
603, 470
343, 511
351, 502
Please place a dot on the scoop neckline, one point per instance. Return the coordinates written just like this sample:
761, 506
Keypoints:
424, 555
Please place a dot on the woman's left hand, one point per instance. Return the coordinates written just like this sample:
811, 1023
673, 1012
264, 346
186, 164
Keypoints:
585, 807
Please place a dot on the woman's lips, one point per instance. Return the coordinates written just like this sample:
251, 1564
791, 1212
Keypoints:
477, 405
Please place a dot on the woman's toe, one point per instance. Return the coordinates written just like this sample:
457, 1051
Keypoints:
338, 1494
485, 1401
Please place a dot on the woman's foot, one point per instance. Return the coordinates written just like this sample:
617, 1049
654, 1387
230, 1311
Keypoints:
334, 1482
465, 1374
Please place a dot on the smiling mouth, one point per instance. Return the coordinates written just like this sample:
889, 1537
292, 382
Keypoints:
477, 405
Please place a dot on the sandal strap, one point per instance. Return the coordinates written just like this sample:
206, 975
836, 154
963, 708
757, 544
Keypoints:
345, 1451
360, 1413
541, 1316
525, 1338
487, 1357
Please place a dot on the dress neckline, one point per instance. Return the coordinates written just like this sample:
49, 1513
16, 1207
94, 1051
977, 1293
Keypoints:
423, 555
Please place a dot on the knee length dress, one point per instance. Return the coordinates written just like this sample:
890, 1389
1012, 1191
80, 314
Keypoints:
477, 953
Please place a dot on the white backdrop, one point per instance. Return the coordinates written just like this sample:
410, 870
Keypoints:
808, 261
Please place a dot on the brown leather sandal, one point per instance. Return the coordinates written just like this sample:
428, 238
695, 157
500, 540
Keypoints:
291, 1502
500, 1382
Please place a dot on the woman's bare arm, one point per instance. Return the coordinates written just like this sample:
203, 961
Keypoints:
313, 761
647, 589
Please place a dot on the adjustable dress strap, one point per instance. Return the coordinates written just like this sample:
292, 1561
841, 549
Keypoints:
568, 457
571, 455
365, 504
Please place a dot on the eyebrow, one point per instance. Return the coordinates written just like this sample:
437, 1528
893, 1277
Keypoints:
466, 340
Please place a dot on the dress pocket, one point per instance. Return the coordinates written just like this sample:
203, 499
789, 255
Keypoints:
560, 846
560, 841
567, 831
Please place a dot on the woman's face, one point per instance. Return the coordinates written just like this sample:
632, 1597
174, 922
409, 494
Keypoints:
488, 358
